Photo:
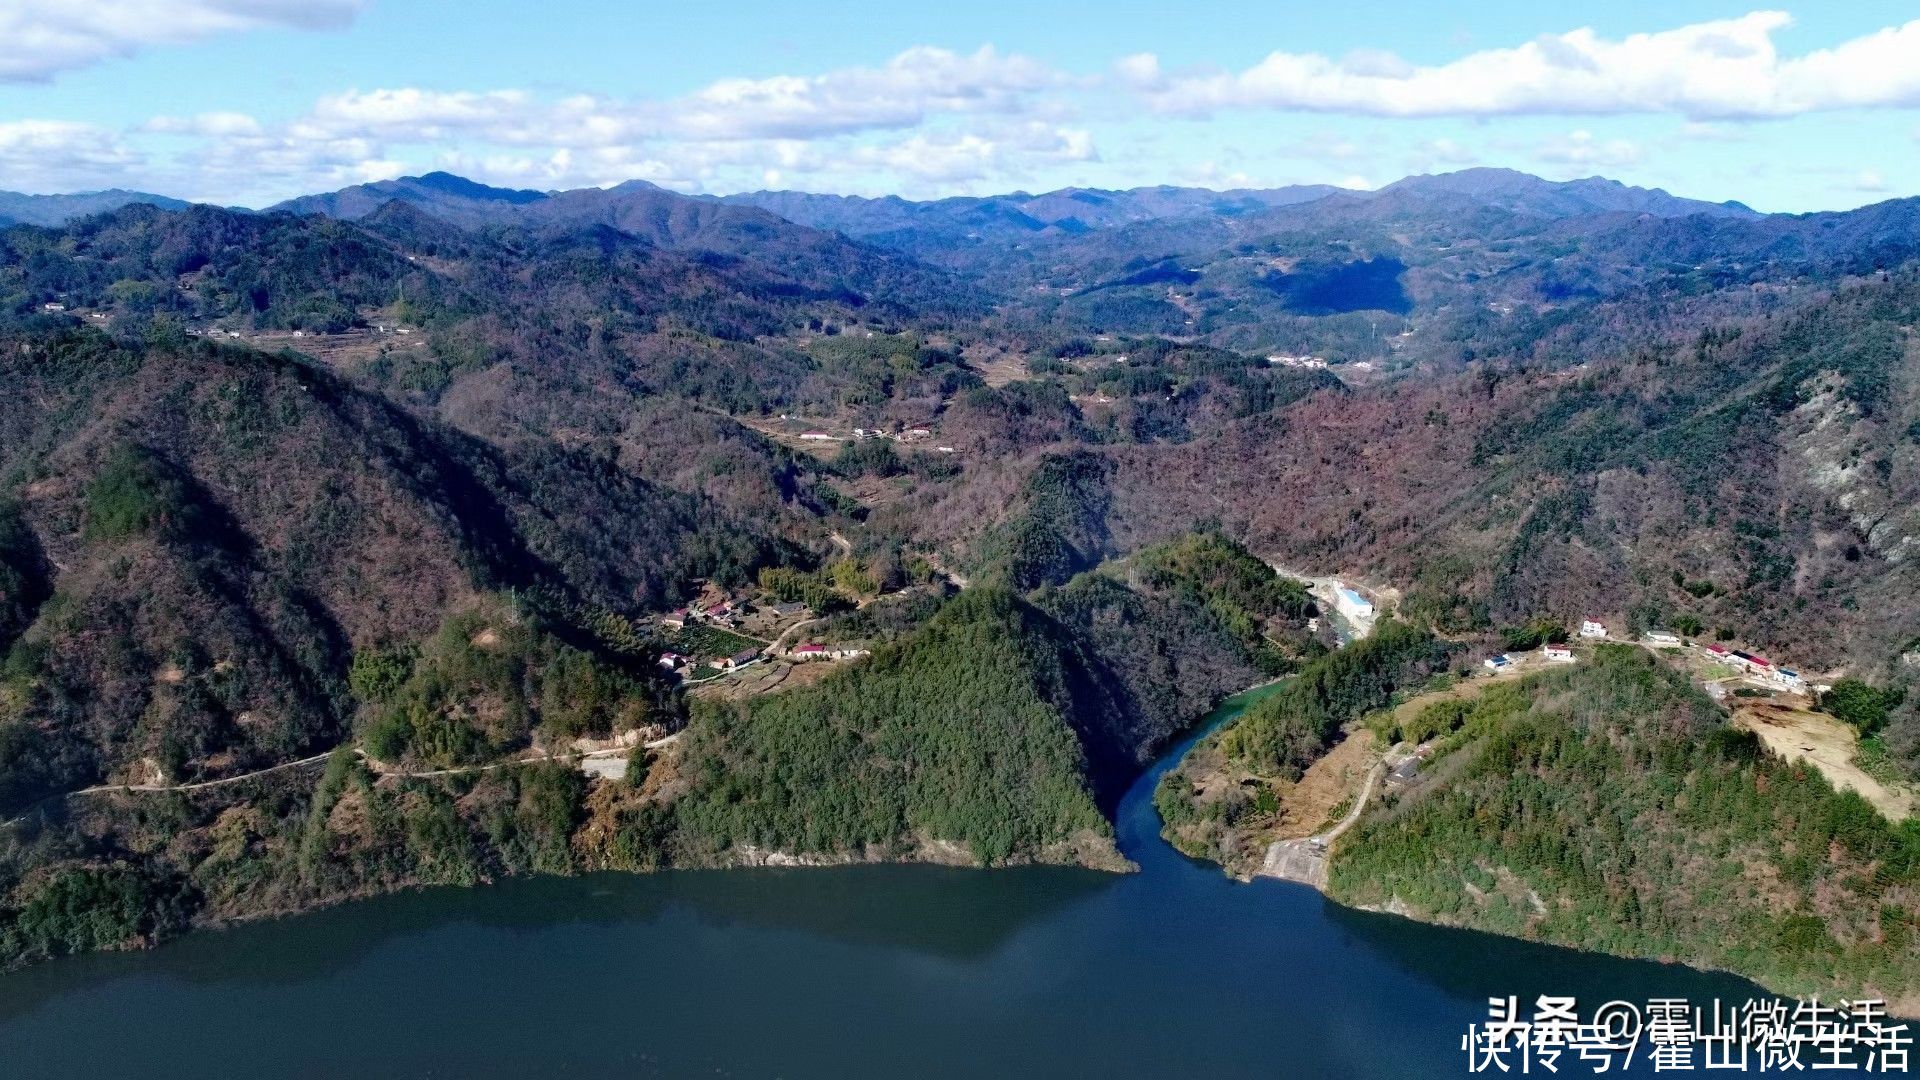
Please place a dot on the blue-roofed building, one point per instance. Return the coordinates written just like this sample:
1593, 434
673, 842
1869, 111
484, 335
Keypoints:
1351, 603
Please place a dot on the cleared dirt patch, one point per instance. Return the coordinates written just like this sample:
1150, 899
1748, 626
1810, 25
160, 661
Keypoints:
764, 678
1327, 785
1797, 734
997, 367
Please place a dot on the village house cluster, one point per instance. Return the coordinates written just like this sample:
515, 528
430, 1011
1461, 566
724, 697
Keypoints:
1311, 362
900, 433
1758, 666
743, 620
812, 651
1753, 665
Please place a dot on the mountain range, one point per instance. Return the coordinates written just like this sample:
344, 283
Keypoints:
1068, 210
413, 473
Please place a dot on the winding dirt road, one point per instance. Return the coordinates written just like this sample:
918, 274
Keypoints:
1305, 860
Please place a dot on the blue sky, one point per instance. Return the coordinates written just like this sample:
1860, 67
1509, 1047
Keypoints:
250, 101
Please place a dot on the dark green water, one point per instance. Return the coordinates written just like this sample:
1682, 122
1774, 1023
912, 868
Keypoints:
894, 971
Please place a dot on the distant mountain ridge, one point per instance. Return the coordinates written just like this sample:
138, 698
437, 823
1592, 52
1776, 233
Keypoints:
893, 221
56, 210
1069, 210
918, 227
1526, 193
441, 192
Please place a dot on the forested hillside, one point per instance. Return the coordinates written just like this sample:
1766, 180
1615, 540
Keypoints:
963, 735
203, 536
997, 732
1226, 790
413, 474
1611, 806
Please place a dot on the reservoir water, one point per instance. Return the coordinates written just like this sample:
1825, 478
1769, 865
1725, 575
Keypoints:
882, 971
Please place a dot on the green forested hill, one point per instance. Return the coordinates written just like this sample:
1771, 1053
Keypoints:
1611, 807
1005, 725
963, 734
1282, 734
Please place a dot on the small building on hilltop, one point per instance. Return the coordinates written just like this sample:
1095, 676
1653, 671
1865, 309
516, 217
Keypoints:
1591, 629
1559, 654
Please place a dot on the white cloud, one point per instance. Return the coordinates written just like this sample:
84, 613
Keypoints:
59, 155
1212, 174
956, 157
1582, 149
939, 160
1328, 146
215, 124
413, 115
907, 91
234, 159
902, 93
1725, 69
928, 117
1445, 152
39, 39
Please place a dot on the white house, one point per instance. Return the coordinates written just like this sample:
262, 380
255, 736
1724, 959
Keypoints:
53, 307
814, 651
1498, 663
1560, 654
1789, 678
816, 436
1285, 360
1351, 604
1591, 629
1662, 637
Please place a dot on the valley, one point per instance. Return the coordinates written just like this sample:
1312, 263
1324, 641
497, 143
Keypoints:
428, 533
